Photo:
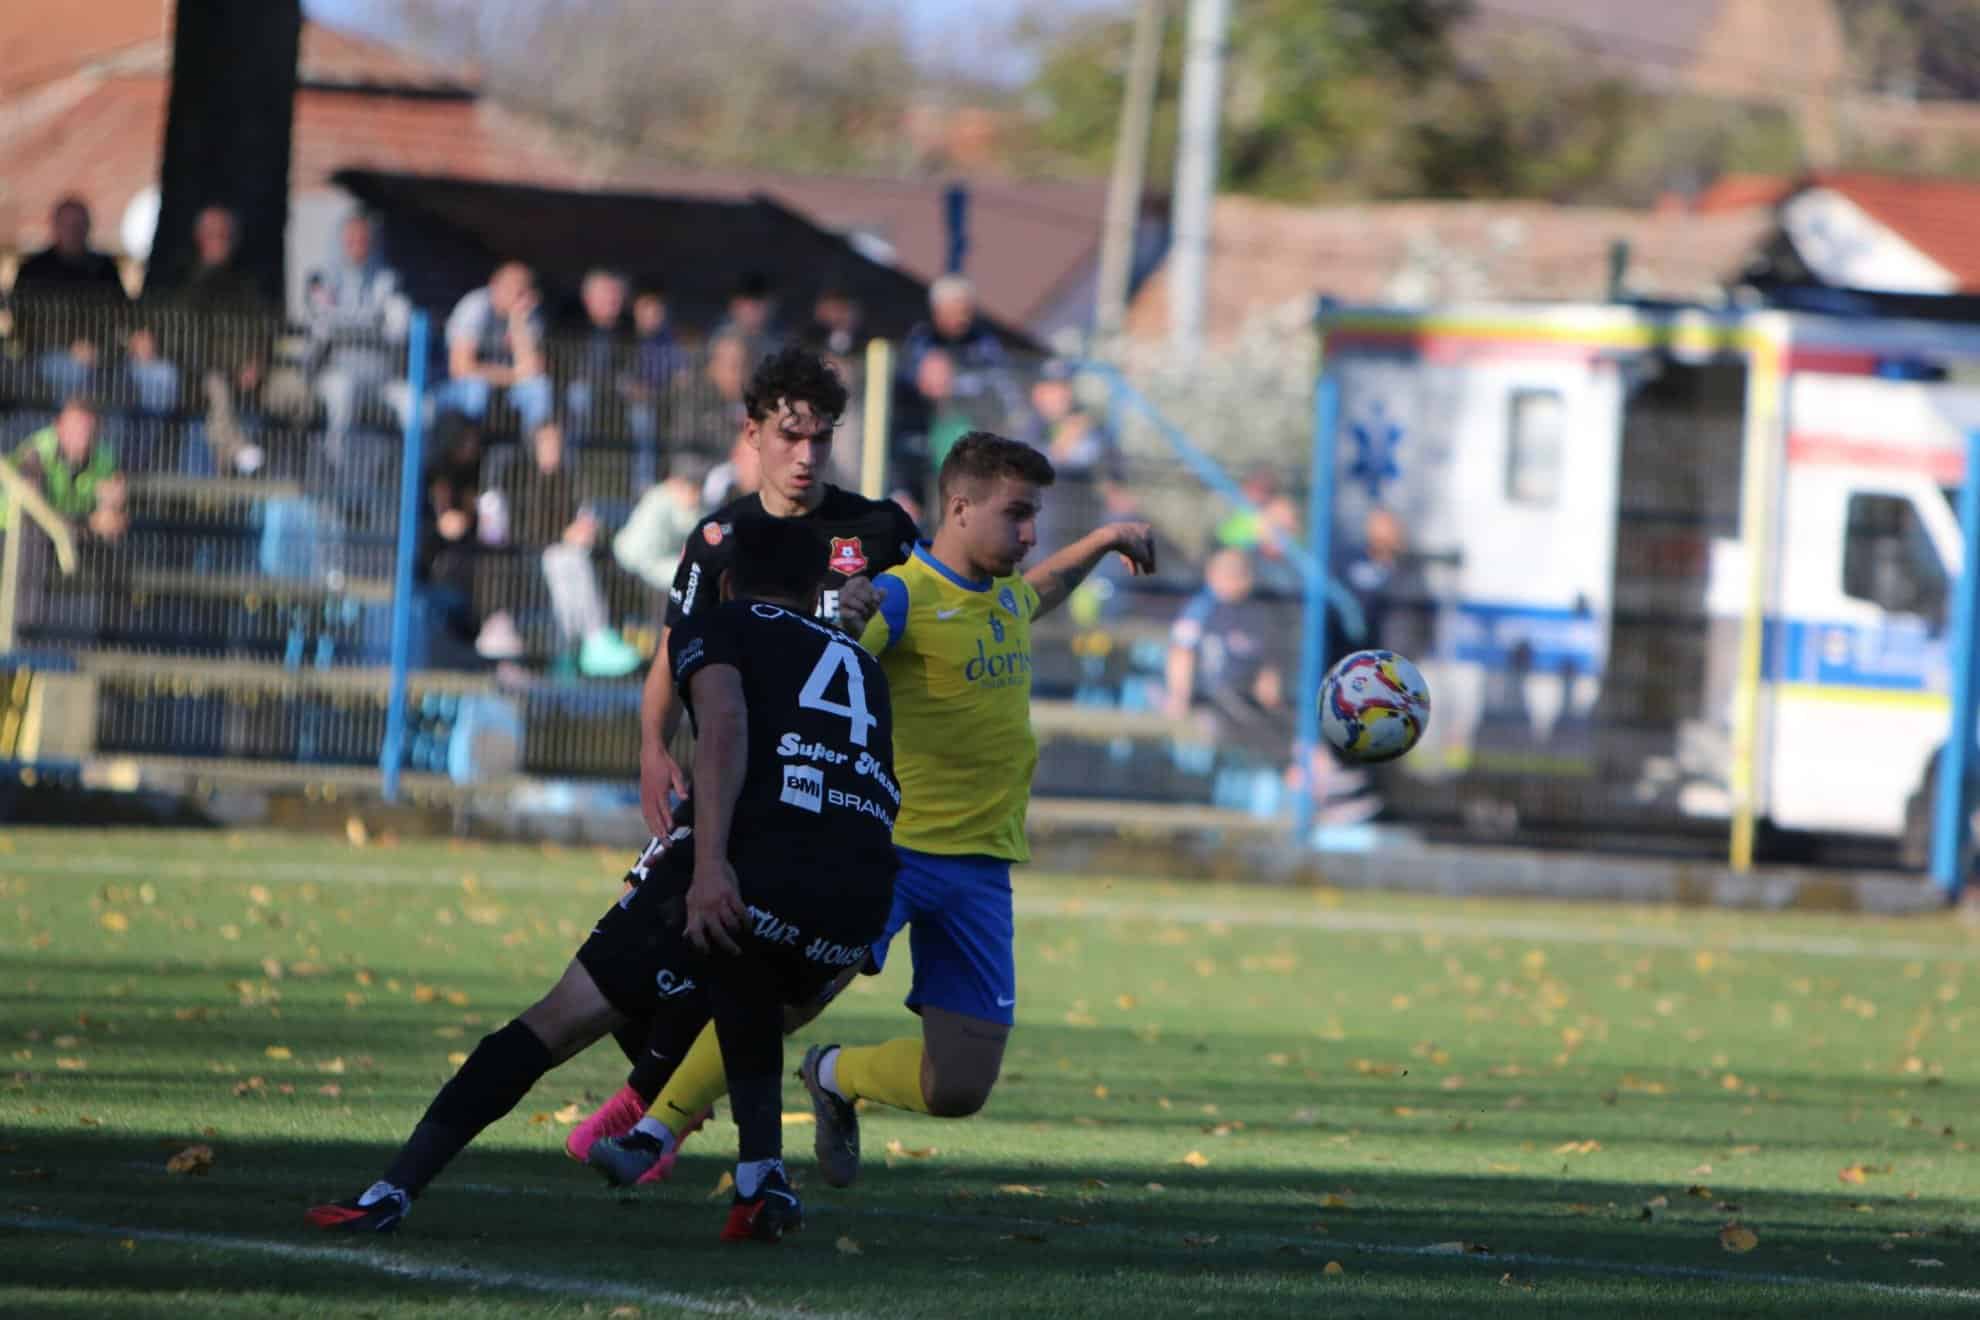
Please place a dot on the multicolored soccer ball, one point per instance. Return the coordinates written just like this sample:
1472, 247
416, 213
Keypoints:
1374, 706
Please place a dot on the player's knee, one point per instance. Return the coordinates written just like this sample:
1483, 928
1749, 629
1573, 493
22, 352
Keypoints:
957, 1099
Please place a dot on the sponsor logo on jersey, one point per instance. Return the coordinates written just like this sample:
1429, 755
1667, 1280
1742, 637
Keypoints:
771, 928
997, 668
713, 532
687, 594
804, 786
847, 556
838, 797
1008, 599
794, 748
996, 630
834, 955
669, 983
690, 655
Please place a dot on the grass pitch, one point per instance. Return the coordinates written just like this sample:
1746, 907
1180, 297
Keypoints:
1217, 1102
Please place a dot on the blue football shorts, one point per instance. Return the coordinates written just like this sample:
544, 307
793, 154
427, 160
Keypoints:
960, 934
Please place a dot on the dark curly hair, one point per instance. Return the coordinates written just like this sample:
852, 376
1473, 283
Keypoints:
795, 375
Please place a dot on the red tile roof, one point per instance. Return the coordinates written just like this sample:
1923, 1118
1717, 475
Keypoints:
1939, 217
40, 43
1740, 192
1267, 257
345, 59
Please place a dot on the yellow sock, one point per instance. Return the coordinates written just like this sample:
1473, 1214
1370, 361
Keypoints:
696, 1084
889, 1073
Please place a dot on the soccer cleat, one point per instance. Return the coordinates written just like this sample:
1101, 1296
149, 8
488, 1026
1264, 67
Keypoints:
836, 1138
378, 1210
614, 1118
638, 1158
774, 1211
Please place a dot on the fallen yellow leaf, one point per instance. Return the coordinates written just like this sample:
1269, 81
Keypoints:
569, 1114
848, 1247
1021, 1189
723, 1186
115, 921
1333, 1268
71, 1065
793, 1118
1196, 1159
1333, 1201
192, 1160
279, 1052
1853, 1174
1737, 1239
895, 1147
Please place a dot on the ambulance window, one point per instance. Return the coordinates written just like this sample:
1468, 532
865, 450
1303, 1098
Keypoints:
1535, 422
1888, 558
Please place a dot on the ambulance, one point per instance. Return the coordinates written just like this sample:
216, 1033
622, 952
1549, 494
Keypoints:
1582, 488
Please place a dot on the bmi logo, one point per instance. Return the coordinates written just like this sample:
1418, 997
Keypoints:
847, 557
804, 786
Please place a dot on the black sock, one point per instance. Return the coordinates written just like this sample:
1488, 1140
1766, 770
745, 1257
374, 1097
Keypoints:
758, 1105
650, 1075
493, 1081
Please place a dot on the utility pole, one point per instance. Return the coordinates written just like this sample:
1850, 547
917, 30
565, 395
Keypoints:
1124, 189
1196, 171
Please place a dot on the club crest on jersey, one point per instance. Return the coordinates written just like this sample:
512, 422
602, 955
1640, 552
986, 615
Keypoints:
712, 533
847, 557
1008, 599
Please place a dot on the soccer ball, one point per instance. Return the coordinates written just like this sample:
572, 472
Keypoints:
1373, 706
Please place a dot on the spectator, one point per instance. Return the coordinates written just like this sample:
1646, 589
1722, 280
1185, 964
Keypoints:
547, 509
216, 284
1371, 572
751, 319
954, 327
707, 410
495, 341
1243, 528
1091, 488
649, 545
835, 323
75, 471
603, 350
734, 478
1223, 655
1274, 561
444, 563
357, 323
67, 296
655, 359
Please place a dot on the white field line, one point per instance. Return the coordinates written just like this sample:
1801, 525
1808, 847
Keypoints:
1309, 1246
557, 1285
1295, 914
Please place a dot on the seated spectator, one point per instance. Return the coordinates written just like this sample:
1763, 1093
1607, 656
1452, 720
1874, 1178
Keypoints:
445, 558
548, 509
357, 330
74, 471
707, 412
225, 342
495, 341
656, 357
955, 328
1243, 528
600, 352
751, 319
835, 324
649, 546
66, 299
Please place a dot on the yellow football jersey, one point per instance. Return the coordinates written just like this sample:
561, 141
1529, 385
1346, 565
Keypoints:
957, 655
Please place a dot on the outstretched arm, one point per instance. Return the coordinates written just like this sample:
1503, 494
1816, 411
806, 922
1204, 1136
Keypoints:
721, 761
1056, 578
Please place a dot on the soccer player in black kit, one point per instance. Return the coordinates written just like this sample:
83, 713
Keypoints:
793, 404
783, 881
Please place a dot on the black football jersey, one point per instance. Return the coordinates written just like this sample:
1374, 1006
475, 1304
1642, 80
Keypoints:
820, 780
863, 537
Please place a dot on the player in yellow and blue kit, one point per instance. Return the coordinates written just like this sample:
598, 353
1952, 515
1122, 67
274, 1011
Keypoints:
953, 633
952, 628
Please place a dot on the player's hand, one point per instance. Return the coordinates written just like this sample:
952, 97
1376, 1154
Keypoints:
714, 908
1136, 543
659, 776
859, 601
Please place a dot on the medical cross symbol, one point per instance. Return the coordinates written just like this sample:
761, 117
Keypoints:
1375, 443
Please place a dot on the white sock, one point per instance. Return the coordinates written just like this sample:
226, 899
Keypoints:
750, 1176
828, 1073
378, 1191
659, 1131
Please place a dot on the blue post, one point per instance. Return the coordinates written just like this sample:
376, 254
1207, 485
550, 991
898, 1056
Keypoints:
1950, 816
410, 463
1313, 635
956, 205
